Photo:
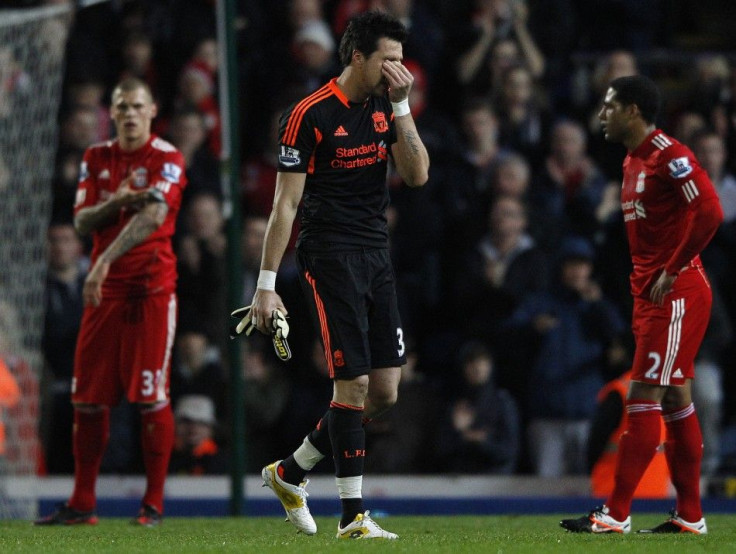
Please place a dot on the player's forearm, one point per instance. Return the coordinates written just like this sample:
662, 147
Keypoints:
410, 154
94, 217
277, 237
138, 229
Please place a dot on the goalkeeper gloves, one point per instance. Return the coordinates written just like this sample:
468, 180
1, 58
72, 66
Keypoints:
279, 330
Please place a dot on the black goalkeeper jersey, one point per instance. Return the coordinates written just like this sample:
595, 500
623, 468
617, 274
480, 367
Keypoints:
343, 148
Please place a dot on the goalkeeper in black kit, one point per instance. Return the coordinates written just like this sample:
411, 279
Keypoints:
333, 154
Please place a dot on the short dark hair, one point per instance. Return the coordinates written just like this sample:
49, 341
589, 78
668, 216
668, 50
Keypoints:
639, 90
364, 31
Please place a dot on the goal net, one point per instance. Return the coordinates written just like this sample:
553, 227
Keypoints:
32, 45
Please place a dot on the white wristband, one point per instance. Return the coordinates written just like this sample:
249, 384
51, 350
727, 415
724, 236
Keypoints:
401, 108
266, 280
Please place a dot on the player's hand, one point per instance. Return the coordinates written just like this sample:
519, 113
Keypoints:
399, 80
661, 287
92, 290
126, 196
262, 307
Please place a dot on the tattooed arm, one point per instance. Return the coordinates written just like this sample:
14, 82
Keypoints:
409, 153
138, 229
95, 217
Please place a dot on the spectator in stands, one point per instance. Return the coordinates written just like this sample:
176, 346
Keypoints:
80, 129
201, 267
465, 188
197, 369
563, 336
523, 117
67, 268
569, 188
481, 430
196, 452
314, 61
710, 149
197, 87
90, 93
398, 440
267, 391
686, 125
137, 59
496, 39
188, 132
504, 267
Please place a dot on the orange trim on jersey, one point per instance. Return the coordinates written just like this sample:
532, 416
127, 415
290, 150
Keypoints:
297, 114
310, 168
334, 404
339, 93
325, 331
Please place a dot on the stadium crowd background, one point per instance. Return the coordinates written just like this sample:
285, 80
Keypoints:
512, 262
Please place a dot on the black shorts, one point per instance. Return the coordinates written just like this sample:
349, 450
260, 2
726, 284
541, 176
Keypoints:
352, 295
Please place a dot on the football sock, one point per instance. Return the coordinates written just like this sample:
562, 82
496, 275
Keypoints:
295, 468
348, 446
684, 452
637, 448
157, 439
89, 440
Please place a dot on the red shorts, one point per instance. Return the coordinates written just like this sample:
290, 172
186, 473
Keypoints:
124, 347
668, 337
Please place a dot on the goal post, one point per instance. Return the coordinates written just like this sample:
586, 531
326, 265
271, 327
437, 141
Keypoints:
32, 46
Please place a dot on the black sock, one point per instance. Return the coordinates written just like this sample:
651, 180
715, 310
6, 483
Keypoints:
351, 507
319, 438
293, 473
348, 450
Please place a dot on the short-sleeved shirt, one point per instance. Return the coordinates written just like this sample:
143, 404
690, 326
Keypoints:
663, 186
149, 267
343, 148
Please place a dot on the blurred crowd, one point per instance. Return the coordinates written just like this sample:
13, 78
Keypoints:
512, 263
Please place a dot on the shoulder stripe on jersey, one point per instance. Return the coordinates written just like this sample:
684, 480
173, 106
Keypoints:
661, 142
690, 190
297, 114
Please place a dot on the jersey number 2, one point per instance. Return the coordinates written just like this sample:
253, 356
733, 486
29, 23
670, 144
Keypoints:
653, 372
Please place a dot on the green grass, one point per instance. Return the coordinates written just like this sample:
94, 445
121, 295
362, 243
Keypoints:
459, 534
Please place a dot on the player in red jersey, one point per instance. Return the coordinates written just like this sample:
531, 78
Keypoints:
128, 197
671, 211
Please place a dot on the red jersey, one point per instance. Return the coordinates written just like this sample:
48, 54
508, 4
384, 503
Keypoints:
663, 190
150, 267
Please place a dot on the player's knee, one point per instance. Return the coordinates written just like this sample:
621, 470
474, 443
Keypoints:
383, 399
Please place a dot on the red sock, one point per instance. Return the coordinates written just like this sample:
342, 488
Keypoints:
684, 451
157, 438
89, 440
637, 448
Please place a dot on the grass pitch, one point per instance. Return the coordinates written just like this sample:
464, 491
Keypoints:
451, 534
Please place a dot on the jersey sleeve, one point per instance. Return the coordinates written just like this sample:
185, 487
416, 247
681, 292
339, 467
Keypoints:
691, 182
298, 138
87, 192
682, 171
167, 176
